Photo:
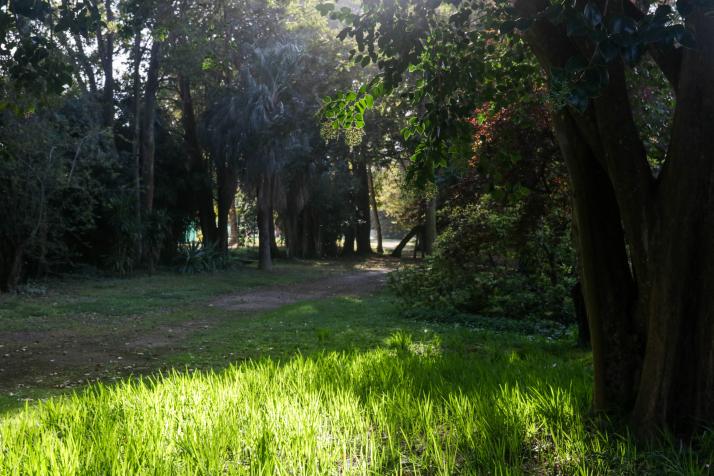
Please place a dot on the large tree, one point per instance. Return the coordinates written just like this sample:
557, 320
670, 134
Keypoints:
643, 233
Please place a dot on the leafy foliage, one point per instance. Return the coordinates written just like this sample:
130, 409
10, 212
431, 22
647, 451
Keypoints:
505, 249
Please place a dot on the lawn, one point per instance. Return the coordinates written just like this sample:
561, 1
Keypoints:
342, 385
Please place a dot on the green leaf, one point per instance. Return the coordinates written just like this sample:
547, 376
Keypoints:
507, 27
576, 64
576, 25
622, 24
553, 13
592, 14
608, 50
524, 23
325, 8
632, 54
687, 40
685, 7
578, 99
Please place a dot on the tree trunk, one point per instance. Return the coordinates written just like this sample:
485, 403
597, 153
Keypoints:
581, 315
11, 265
677, 382
430, 226
348, 249
607, 282
375, 210
105, 46
274, 250
85, 64
136, 139
201, 185
264, 198
397, 253
292, 233
148, 126
364, 226
227, 184
644, 243
233, 225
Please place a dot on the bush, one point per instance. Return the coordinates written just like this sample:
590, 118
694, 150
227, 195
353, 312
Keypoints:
196, 257
482, 265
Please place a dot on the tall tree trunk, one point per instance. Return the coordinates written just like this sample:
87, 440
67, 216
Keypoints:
148, 127
227, 179
274, 250
348, 249
292, 232
85, 64
105, 44
375, 210
397, 252
202, 187
136, 139
677, 382
364, 225
11, 265
645, 244
265, 194
233, 225
309, 248
581, 315
430, 226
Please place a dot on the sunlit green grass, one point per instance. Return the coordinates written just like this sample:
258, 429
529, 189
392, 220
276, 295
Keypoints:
61, 302
409, 406
338, 386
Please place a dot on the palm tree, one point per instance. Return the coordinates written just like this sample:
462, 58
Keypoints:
251, 133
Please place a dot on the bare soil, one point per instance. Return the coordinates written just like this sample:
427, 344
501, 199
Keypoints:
350, 284
100, 348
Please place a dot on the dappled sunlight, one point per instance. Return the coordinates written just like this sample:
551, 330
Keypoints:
380, 410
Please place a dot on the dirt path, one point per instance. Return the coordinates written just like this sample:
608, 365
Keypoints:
109, 348
356, 283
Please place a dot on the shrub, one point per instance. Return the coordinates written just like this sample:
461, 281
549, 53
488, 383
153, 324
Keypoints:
196, 257
481, 265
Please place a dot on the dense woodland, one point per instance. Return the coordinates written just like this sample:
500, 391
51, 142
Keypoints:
537, 162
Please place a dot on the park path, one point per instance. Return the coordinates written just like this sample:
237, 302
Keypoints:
64, 358
353, 283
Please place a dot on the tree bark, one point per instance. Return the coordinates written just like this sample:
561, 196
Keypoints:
274, 250
85, 64
105, 47
430, 226
677, 382
265, 261
581, 315
364, 225
202, 187
11, 265
233, 225
137, 57
348, 249
375, 210
148, 126
227, 179
645, 244
397, 253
